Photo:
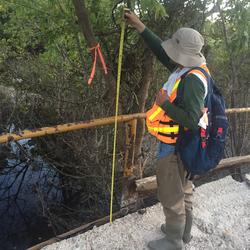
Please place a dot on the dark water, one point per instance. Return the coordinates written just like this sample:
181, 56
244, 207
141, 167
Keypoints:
25, 183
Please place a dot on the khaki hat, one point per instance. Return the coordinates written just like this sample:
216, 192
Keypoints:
185, 47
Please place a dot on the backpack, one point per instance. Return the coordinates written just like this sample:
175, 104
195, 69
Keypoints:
201, 150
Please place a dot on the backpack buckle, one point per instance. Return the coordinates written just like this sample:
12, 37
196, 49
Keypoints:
219, 130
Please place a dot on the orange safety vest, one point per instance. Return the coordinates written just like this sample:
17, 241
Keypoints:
159, 124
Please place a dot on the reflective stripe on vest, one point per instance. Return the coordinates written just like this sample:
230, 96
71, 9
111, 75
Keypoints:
174, 91
165, 129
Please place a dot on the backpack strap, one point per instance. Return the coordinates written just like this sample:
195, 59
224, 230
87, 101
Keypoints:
209, 82
206, 79
202, 77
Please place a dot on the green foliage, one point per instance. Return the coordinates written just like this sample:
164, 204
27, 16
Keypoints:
237, 17
236, 44
153, 7
43, 27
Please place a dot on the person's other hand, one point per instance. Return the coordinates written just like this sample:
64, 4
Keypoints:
132, 19
161, 97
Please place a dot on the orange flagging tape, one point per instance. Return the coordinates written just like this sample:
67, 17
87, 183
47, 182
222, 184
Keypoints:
97, 52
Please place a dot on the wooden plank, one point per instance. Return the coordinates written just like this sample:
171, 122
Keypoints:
232, 161
146, 184
149, 184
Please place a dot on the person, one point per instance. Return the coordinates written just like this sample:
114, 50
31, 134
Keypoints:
181, 55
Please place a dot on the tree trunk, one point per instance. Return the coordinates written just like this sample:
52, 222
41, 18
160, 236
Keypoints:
86, 28
110, 80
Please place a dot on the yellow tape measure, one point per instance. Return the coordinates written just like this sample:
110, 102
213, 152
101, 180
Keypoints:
116, 114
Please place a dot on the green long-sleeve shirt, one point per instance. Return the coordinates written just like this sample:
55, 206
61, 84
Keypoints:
189, 110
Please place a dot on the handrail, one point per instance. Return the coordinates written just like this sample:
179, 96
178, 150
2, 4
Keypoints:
237, 110
67, 127
62, 128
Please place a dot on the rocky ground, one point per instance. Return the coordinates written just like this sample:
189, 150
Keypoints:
222, 221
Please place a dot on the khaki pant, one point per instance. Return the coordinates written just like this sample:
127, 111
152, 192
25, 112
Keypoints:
174, 189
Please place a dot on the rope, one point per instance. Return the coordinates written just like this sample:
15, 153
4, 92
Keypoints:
116, 115
97, 52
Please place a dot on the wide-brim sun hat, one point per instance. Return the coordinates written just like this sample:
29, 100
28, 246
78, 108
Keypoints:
185, 47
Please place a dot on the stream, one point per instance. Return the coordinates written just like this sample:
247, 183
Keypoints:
23, 182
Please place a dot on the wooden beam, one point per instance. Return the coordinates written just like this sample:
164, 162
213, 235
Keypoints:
25, 134
62, 128
232, 161
149, 184
237, 110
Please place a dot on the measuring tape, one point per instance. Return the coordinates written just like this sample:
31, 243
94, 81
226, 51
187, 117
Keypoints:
116, 114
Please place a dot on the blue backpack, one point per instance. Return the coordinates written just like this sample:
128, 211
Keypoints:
201, 150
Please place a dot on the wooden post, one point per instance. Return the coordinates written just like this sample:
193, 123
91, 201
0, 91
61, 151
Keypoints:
129, 195
130, 148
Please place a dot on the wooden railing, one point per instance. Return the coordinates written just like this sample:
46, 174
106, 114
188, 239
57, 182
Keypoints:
62, 128
130, 119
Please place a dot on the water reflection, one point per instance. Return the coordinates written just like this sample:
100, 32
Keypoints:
27, 184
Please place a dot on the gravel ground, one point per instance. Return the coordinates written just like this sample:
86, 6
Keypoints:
222, 221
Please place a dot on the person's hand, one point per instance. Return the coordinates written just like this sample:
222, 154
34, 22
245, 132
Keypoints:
161, 97
132, 19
